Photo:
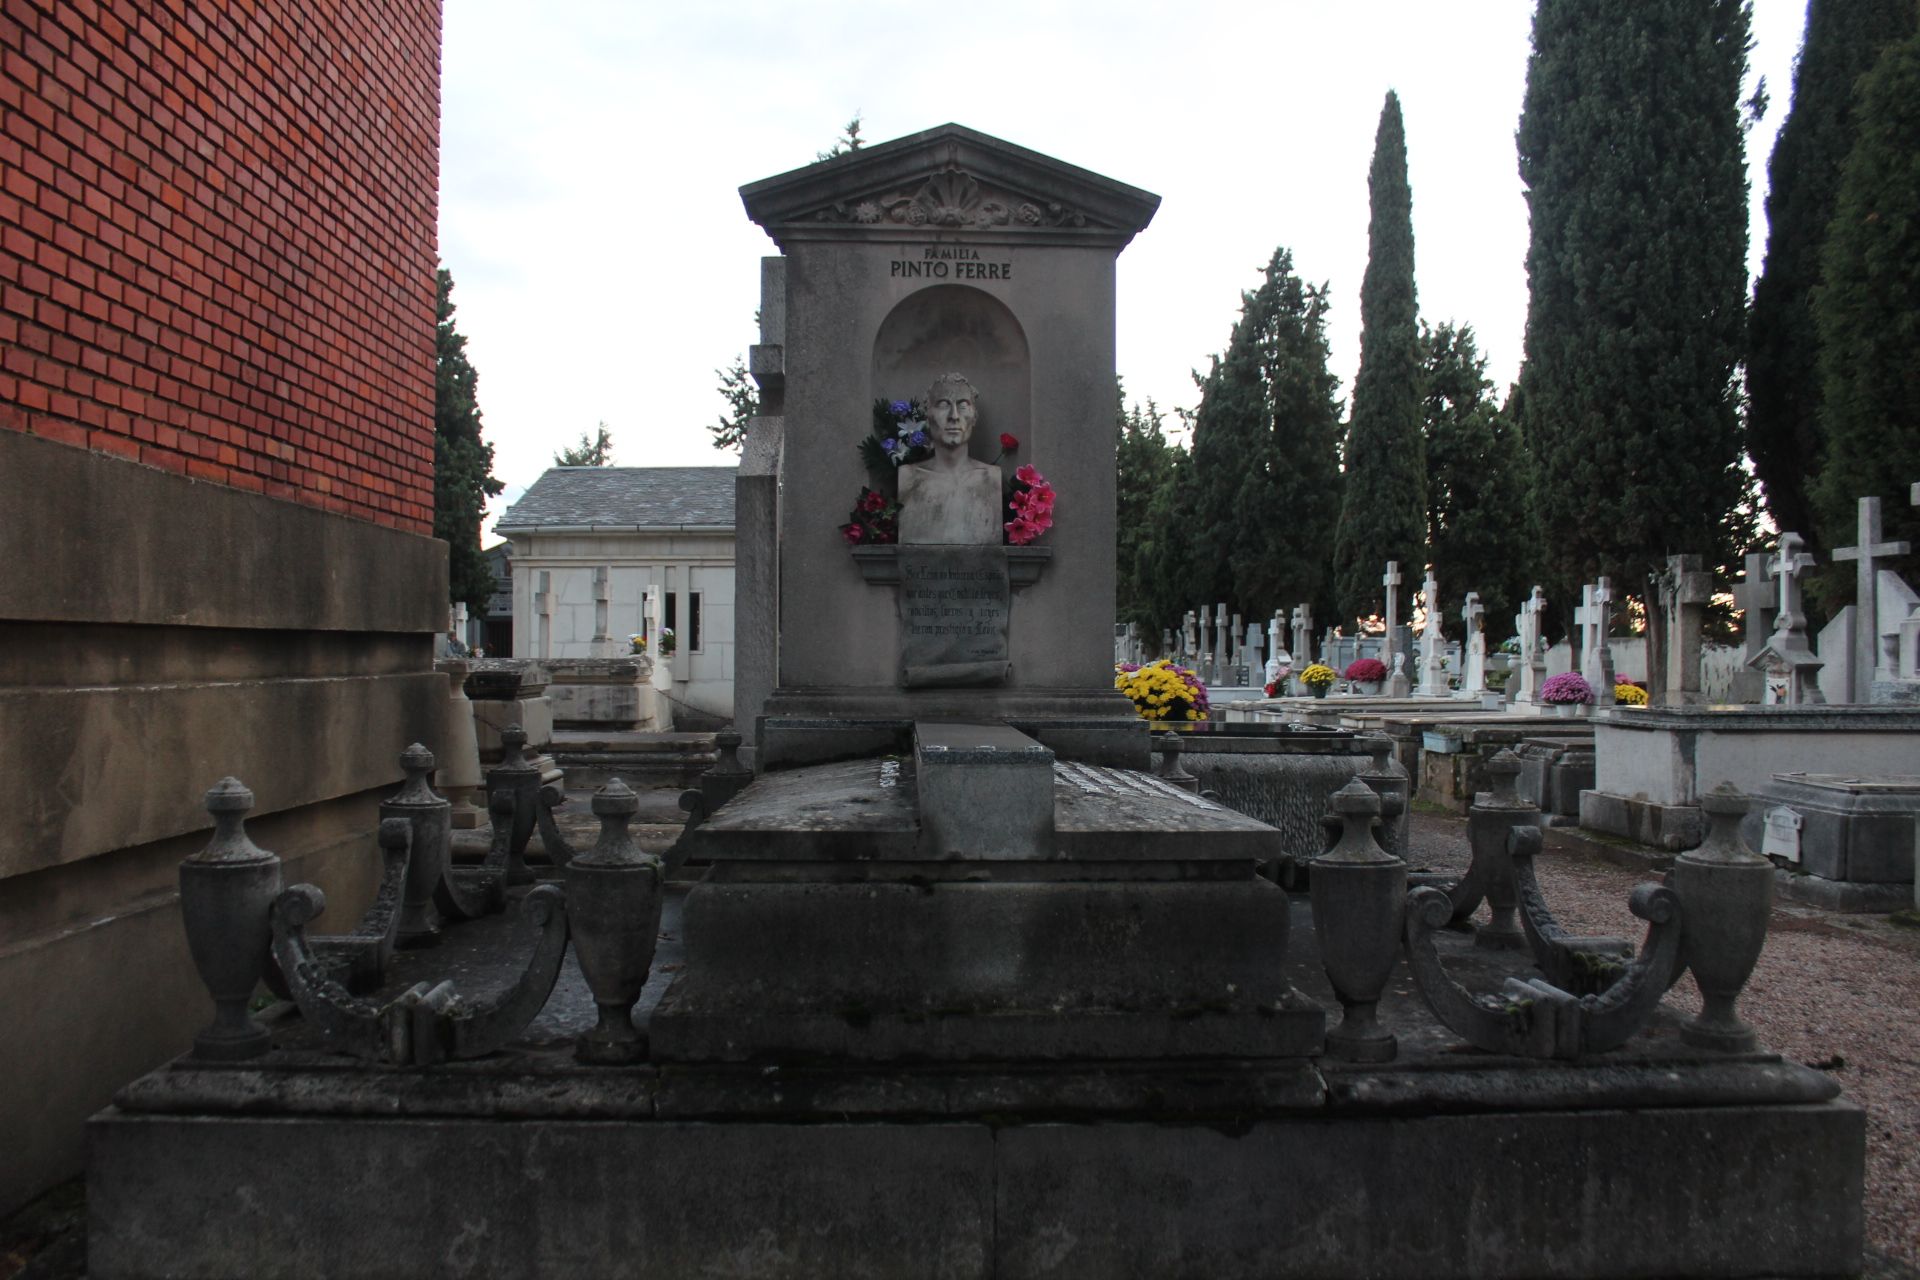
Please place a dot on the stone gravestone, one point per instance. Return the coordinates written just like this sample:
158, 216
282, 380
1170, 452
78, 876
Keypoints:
1866, 629
946, 252
1433, 676
1758, 598
1302, 627
1219, 663
1791, 668
1391, 581
603, 644
1683, 591
1596, 657
1526, 625
1473, 674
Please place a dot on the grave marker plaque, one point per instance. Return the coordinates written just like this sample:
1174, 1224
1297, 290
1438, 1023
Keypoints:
954, 606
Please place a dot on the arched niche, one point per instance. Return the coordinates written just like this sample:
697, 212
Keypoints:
954, 328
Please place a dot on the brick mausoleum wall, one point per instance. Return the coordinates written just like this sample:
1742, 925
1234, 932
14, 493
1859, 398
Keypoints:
217, 241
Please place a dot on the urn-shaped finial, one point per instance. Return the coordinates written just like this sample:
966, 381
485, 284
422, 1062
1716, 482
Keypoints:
431, 818
614, 896
1726, 901
1169, 747
1492, 816
1358, 892
225, 892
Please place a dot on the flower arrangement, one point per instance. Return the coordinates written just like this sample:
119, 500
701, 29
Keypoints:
1629, 694
1031, 503
1569, 688
1319, 676
1273, 688
1366, 669
636, 644
1162, 691
667, 643
874, 520
899, 435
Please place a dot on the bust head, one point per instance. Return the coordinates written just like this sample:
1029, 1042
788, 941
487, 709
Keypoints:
952, 409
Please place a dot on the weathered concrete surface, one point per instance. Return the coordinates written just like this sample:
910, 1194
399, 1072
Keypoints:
865, 810
1733, 1191
91, 769
139, 545
97, 983
500, 1199
961, 971
156, 634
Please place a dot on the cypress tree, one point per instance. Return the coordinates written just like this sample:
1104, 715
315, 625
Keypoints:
1868, 309
1384, 514
1290, 486
1630, 147
1144, 461
462, 461
1843, 38
1477, 492
1265, 470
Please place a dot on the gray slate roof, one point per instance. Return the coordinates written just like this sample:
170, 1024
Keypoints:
625, 498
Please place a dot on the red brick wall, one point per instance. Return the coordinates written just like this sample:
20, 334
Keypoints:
217, 240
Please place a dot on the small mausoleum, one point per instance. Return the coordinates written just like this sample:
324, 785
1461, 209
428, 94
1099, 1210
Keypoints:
664, 537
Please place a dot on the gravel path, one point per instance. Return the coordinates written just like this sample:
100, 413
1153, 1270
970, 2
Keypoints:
1840, 993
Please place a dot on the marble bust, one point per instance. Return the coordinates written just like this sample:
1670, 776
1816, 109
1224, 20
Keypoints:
952, 497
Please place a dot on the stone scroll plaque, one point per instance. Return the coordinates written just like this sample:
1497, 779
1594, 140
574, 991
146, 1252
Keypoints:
954, 604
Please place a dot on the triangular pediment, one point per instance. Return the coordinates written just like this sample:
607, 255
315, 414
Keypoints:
949, 178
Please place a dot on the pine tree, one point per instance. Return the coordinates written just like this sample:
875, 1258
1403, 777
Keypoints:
1630, 146
1843, 38
462, 461
1144, 461
1868, 310
1477, 492
1264, 477
743, 402
591, 451
1384, 515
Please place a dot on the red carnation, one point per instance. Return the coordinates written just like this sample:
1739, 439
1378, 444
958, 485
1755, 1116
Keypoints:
1008, 443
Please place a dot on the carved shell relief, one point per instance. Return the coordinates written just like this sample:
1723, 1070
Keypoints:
955, 199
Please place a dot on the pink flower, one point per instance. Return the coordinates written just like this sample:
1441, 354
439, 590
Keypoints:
1026, 475
853, 533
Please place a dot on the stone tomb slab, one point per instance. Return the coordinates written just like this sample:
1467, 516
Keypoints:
985, 791
1852, 828
866, 811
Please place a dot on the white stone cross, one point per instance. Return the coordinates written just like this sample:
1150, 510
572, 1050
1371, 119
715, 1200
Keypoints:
1391, 581
1598, 665
1587, 618
1433, 679
1474, 678
1528, 624
543, 606
1786, 565
1866, 594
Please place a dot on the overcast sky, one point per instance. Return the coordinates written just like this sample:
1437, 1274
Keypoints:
592, 155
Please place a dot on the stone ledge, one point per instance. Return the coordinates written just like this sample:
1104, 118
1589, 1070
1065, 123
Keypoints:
84, 771
140, 545
1734, 1190
1673, 827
